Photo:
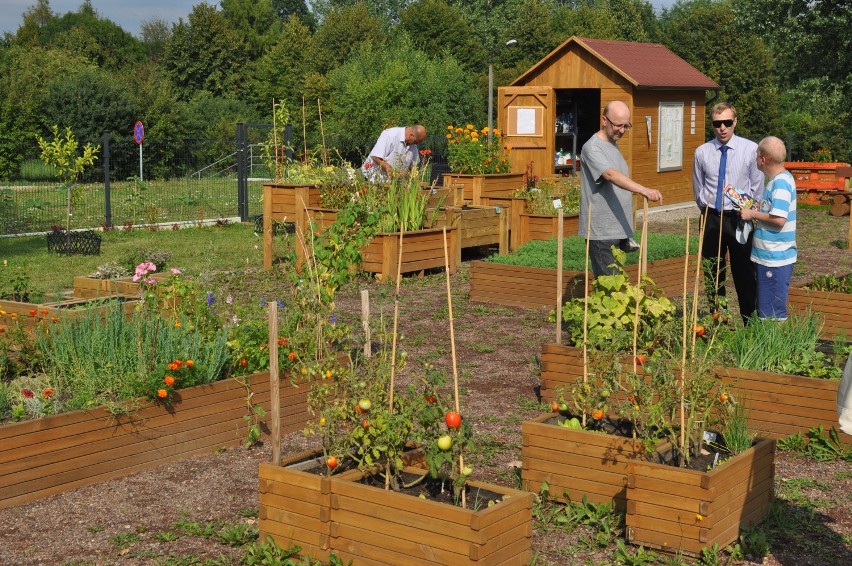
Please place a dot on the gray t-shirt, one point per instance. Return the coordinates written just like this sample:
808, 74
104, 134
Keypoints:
612, 207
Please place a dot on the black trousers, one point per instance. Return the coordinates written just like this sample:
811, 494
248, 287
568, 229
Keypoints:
739, 256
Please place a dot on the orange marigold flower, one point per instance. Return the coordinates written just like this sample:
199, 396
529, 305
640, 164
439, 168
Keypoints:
450, 127
282, 342
13, 315
162, 393
44, 311
54, 319
32, 312
449, 136
459, 130
178, 324
190, 363
169, 380
496, 132
2, 330
178, 363
292, 356
172, 366
470, 127
47, 392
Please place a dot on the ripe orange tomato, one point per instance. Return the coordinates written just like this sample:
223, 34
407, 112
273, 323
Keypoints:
555, 407
365, 423
640, 359
453, 419
723, 397
331, 462
699, 330
597, 414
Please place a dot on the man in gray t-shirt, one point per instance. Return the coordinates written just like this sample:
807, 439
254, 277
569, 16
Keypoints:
607, 187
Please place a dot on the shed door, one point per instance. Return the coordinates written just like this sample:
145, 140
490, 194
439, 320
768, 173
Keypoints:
527, 118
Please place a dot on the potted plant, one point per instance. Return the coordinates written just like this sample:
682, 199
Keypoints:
63, 155
478, 164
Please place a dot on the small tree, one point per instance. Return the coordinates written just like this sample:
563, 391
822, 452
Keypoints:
62, 154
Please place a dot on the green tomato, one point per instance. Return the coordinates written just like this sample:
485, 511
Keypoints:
445, 442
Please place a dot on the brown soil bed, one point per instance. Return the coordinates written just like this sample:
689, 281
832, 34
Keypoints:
122, 521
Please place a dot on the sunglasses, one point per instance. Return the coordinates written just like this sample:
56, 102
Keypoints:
728, 123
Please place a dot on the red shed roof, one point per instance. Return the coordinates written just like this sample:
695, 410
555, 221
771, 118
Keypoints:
645, 65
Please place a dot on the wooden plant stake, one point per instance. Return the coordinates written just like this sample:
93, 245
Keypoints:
304, 130
393, 346
274, 384
365, 321
276, 173
698, 273
322, 134
453, 351
683, 341
586, 306
719, 250
641, 269
560, 234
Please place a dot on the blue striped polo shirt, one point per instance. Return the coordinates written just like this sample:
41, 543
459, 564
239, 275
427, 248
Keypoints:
772, 246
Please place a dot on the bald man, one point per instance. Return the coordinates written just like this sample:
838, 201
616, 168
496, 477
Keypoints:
396, 152
773, 249
606, 186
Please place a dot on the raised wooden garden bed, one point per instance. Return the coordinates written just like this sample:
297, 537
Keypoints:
285, 203
477, 226
834, 308
475, 187
515, 207
576, 463
62, 452
544, 227
421, 250
29, 315
677, 509
535, 287
369, 525
91, 288
779, 405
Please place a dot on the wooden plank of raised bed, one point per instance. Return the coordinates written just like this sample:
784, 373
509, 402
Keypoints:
369, 545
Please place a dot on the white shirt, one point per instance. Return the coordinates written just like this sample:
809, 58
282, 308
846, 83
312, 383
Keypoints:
741, 171
391, 147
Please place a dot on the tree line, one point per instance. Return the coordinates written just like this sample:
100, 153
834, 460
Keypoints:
345, 69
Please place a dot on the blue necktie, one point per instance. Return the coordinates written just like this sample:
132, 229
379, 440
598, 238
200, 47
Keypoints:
720, 184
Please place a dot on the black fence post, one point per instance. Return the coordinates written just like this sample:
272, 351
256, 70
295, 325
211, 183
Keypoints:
242, 176
107, 205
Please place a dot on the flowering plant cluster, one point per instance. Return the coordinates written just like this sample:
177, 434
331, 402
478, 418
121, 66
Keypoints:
469, 151
822, 155
178, 374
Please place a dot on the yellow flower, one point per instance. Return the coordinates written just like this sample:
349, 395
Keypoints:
328, 373
485, 131
450, 127
470, 127
496, 132
508, 148
459, 130
698, 517
449, 136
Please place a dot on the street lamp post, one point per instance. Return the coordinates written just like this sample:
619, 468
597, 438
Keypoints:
491, 91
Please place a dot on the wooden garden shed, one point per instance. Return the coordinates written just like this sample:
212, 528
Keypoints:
552, 109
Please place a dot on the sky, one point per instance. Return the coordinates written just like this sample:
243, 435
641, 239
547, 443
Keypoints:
129, 14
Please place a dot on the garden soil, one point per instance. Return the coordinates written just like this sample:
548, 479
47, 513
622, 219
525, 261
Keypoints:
148, 517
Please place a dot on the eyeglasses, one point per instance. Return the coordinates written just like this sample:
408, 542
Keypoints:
625, 126
728, 123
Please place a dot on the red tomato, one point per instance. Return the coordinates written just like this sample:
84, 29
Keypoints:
640, 359
331, 462
597, 414
723, 397
699, 330
555, 407
453, 419
365, 423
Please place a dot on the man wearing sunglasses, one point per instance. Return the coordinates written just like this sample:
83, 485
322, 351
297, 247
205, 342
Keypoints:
727, 159
605, 186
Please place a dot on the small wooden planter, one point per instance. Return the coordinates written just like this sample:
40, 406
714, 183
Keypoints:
369, 525
475, 187
515, 207
285, 203
90, 287
477, 226
30, 315
834, 308
779, 405
675, 509
535, 287
62, 452
544, 227
577, 463
421, 250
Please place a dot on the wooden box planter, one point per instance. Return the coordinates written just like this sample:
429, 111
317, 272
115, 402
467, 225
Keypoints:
62, 452
779, 405
285, 202
421, 250
477, 226
561, 366
544, 227
834, 308
679, 509
29, 315
91, 288
577, 463
369, 525
475, 187
515, 207
535, 287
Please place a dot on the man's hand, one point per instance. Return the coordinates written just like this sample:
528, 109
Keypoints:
653, 195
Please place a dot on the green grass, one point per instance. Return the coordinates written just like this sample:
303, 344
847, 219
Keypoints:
542, 253
194, 250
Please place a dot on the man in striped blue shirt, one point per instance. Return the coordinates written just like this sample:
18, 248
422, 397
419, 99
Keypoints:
727, 159
774, 246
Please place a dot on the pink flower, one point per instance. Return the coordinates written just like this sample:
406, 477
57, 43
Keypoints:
175, 271
27, 393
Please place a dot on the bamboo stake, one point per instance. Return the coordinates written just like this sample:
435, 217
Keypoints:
453, 350
322, 134
560, 234
683, 343
719, 253
275, 144
304, 131
274, 384
586, 306
365, 322
698, 271
393, 346
641, 269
